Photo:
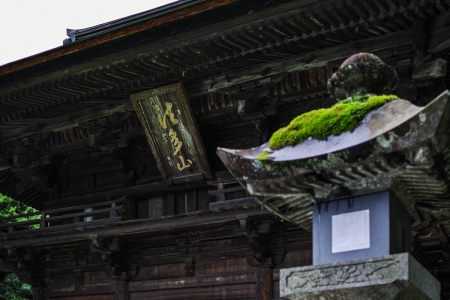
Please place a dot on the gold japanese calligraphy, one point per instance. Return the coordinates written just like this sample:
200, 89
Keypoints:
177, 144
172, 135
175, 141
183, 164
169, 113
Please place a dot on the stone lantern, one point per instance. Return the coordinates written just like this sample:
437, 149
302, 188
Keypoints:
356, 190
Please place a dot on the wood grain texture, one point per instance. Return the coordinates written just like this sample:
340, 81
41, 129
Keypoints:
70, 233
264, 284
122, 291
238, 291
304, 61
71, 291
187, 282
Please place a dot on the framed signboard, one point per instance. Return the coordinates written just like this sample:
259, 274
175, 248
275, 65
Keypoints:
172, 134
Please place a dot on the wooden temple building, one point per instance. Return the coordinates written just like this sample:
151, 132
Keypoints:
113, 138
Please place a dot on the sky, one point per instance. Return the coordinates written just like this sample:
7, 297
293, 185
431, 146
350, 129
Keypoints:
28, 27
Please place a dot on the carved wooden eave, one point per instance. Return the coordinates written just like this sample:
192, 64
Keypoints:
264, 36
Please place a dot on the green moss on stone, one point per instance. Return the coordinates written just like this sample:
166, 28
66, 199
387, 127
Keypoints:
320, 124
263, 156
360, 98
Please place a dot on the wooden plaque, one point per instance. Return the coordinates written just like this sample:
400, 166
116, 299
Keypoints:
172, 134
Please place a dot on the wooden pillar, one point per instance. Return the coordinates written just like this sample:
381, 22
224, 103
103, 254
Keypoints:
130, 208
122, 292
38, 293
264, 284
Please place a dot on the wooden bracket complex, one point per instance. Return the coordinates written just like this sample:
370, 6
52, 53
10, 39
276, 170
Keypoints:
263, 254
108, 248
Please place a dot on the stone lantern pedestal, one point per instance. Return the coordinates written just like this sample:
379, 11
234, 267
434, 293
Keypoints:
357, 253
397, 276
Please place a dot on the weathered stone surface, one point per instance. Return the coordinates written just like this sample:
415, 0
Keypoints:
433, 69
397, 277
398, 145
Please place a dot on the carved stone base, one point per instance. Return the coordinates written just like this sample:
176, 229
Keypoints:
397, 277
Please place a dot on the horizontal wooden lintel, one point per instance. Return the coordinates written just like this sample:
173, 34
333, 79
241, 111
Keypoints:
76, 232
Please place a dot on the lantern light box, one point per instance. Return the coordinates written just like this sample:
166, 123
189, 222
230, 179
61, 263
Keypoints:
360, 227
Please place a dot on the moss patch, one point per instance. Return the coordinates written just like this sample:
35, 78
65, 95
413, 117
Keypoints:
263, 156
320, 124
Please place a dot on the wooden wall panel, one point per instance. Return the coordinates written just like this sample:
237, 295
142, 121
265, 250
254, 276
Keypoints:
157, 251
173, 203
97, 277
156, 207
164, 271
236, 291
220, 266
191, 282
219, 278
142, 210
296, 259
202, 199
62, 281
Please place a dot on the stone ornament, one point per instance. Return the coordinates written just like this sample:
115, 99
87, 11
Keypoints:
362, 73
398, 146
390, 277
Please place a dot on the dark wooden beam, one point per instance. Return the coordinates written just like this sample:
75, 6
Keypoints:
304, 61
187, 282
229, 204
47, 231
440, 34
154, 189
97, 289
208, 32
68, 233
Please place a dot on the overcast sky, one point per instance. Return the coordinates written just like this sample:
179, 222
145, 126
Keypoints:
28, 27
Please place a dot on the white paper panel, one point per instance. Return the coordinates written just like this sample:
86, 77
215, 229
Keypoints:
350, 231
